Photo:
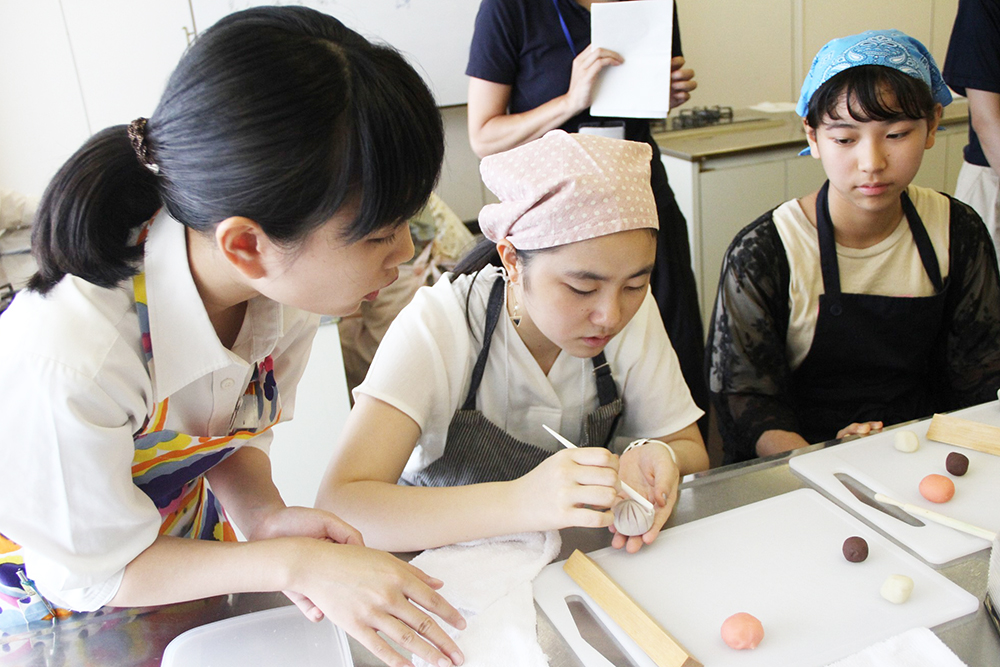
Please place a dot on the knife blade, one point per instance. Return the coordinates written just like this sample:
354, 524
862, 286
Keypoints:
867, 496
596, 634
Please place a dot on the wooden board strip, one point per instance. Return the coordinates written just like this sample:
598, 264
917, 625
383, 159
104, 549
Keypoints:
661, 648
964, 433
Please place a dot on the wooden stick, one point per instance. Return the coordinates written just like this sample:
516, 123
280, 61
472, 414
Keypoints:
938, 518
661, 648
964, 433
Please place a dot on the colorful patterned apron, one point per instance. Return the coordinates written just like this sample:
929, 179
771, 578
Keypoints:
169, 467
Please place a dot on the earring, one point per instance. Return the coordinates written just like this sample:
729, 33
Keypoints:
515, 316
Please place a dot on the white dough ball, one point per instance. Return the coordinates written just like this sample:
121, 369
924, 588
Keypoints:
897, 588
631, 518
907, 441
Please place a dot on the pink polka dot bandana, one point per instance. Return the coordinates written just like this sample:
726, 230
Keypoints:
565, 188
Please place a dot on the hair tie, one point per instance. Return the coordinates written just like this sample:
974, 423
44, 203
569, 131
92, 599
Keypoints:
137, 136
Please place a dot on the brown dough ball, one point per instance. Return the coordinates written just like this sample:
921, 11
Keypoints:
855, 549
742, 631
957, 464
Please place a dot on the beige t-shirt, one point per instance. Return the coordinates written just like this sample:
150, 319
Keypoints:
891, 267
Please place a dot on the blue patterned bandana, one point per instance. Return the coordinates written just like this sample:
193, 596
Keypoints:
889, 48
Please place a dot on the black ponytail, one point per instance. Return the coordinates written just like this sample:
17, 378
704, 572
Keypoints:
278, 114
87, 213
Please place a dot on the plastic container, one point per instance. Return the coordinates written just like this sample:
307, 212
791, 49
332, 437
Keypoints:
281, 636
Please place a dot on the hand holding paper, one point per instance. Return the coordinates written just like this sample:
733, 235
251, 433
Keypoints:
642, 33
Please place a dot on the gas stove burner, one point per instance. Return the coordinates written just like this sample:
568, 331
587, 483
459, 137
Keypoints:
701, 117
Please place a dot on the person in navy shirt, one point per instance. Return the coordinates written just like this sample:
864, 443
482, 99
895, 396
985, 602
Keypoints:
972, 68
532, 70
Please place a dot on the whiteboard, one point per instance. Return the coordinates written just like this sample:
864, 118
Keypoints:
434, 35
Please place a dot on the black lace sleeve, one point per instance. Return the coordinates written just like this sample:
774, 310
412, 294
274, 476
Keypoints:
747, 365
968, 352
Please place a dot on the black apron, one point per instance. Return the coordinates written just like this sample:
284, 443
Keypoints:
869, 359
477, 450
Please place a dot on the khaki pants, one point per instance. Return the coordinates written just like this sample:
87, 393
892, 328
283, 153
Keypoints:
979, 187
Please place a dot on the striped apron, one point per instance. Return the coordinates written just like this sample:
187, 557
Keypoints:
477, 450
169, 467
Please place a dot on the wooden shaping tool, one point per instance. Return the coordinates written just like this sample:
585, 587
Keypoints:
637, 624
964, 433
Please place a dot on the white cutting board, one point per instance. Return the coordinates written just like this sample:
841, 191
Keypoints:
875, 462
779, 559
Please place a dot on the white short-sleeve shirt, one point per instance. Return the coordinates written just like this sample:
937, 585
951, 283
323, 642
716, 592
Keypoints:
77, 388
423, 368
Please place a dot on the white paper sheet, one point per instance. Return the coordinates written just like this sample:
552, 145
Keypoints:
642, 33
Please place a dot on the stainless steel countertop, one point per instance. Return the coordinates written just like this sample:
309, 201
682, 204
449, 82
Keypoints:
137, 637
753, 131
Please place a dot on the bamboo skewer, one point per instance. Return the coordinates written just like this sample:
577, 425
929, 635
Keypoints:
632, 493
658, 644
964, 433
938, 518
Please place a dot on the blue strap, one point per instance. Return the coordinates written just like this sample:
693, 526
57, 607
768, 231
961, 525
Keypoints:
562, 22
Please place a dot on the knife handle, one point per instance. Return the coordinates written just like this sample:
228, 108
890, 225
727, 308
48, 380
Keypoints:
661, 648
938, 518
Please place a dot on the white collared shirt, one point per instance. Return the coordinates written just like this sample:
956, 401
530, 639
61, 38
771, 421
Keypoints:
76, 389
424, 367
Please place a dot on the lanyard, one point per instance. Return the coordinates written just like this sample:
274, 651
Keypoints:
562, 22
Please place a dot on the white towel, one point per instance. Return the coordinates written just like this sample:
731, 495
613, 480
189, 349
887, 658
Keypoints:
489, 581
918, 647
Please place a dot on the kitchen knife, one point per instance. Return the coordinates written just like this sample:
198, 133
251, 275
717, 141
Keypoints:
596, 634
867, 496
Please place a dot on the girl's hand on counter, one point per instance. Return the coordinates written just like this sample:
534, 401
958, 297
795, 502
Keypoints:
681, 82
859, 428
305, 522
586, 66
573, 487
651, 471
365, 592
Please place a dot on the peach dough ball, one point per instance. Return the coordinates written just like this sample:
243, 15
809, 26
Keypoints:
937, 488
742, 631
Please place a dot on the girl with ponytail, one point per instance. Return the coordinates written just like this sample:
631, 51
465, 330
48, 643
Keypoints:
183, 260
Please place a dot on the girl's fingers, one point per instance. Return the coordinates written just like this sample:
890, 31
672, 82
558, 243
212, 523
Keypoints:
593, 456
590, 518
635, 542
305, 605
619, 540
430, 637
591, 495
434, 602
380, 648
413, 640
596, 476
343, 533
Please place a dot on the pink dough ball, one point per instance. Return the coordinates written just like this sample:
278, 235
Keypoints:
742, 631
937, 488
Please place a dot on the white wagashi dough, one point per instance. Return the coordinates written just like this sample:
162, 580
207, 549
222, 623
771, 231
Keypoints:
631, 518
906, 441
897, 588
